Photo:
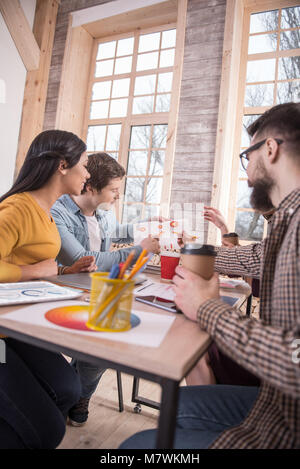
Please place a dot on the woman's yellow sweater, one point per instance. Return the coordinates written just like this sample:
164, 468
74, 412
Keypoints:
27, 235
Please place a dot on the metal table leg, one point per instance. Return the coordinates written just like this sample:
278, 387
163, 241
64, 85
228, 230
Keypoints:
167, 416
120, 391
141, 400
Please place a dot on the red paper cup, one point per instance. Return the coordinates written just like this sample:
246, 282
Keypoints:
168, 261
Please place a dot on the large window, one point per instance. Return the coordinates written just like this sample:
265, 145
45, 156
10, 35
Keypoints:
272, 76
131, 100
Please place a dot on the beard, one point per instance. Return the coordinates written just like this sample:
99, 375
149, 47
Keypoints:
260, 199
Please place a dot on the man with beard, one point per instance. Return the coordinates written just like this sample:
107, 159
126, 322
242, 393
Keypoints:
267, 416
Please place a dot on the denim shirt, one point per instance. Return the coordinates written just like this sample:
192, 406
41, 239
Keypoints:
75, 243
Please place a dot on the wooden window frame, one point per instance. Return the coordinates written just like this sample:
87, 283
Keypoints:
131, 119
231, 107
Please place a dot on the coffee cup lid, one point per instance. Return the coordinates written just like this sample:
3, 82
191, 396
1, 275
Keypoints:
230, 235
199, 249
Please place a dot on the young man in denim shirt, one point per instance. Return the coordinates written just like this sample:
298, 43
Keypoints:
87, 227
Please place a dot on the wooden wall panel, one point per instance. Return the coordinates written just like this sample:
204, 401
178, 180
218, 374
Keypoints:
199, 103
66, 7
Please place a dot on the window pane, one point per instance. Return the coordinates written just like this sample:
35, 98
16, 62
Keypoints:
259, 95
163, 103
157, 163
120, 88
143, 105
96, 138
144, 85
137, 163
267, 21
140, 136
154, 188
118, 108
290, 40
164, 82
147, 61
149, 42
125, 46
247, 120
101, 90
123, 65
260, 70
167, 58
243, 194
249, 226
113, 154
99, 110
289, 67
287, 92
113, 137
159, 138
134, 191
263, 43
132, 213
168, 39
151, 211
104, 69
106, 50
290, 17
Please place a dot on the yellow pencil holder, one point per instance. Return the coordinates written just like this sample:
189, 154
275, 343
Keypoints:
110, 303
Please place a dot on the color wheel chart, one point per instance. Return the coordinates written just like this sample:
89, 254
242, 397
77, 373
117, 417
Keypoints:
75, 317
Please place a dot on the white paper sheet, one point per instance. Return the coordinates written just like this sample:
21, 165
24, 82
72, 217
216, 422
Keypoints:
160, 290
150, 332
231, 284
167, 232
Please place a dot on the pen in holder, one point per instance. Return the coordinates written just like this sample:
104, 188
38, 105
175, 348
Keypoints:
110, 303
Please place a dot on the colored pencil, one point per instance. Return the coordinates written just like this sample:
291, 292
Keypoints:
126, 264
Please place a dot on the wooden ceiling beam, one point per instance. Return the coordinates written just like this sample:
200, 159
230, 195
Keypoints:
36, 86
21, 33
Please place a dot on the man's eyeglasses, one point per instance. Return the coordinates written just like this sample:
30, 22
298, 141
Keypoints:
244, 155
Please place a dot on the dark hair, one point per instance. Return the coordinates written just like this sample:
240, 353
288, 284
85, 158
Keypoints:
102, 168
45, 153
283, 121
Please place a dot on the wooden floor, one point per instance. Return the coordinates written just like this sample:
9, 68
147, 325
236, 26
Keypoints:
106, 426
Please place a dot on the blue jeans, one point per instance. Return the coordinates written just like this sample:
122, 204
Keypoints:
37, 389
89, 376
204, 412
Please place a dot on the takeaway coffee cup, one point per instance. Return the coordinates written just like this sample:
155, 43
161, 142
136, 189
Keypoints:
232, 238
168, 263
199, 258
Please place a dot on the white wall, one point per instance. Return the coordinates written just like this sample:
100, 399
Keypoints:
12, 83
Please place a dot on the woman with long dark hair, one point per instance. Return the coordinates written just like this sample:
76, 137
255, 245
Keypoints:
37, 387
54, 165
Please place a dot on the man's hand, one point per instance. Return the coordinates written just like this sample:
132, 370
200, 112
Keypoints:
84, 264
215, 216
186, 238
192, 291
150, 244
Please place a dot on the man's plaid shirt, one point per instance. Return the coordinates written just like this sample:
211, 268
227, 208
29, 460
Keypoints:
265, 347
